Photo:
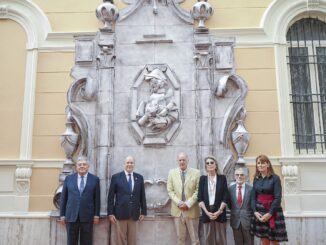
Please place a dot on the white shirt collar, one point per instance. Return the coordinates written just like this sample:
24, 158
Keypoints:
184, 171
85, 176
242, 186
126, 173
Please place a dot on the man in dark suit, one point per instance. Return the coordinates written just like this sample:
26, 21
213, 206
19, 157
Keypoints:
80, 204
241, 211
126, 203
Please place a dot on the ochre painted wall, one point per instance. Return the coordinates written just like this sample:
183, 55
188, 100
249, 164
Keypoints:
12, 69
52, 84
257, 67
234, 13
75, 15
44, 182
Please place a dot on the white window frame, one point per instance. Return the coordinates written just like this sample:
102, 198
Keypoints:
276, 20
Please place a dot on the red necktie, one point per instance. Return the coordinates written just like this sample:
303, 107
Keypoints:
239, 195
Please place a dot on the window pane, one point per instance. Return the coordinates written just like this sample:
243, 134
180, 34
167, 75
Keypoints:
303, 112
307, 29
321, 60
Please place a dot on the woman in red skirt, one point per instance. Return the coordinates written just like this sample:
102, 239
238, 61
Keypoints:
268, 221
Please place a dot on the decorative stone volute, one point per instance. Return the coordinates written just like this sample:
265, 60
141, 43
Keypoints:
201, 11
108, 13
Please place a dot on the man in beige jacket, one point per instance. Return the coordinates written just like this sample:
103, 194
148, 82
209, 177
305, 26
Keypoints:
182, 188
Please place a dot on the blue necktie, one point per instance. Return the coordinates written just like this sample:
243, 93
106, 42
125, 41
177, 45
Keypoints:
82, 185
129, 182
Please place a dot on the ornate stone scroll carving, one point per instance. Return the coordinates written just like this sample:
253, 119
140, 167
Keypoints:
173, 5
235, 107
291, 179
157, 198
155, 105
23, 175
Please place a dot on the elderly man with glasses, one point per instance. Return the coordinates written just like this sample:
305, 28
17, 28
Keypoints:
241, 211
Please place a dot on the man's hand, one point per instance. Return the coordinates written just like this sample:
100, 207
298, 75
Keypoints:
183, 206
96, 220
141, 217
62, 221
113, 219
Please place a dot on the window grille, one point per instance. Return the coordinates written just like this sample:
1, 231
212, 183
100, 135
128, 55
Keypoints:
307, 65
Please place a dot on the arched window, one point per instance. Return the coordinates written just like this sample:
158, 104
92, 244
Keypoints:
306, 59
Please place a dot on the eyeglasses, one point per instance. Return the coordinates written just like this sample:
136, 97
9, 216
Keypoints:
80, 164
210, 162
239, 175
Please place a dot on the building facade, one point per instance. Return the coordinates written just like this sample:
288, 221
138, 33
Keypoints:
279, 51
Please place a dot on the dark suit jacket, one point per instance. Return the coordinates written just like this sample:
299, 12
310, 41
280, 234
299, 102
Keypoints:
86, 205
221, 195
121, 202
241, 214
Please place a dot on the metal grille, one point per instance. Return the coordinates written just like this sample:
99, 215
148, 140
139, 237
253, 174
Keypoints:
307, 64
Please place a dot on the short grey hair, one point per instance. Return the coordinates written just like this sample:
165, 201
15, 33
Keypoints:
82, 159
183, 153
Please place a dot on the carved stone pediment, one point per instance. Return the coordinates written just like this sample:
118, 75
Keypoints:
155, 105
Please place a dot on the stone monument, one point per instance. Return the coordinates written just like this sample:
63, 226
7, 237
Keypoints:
151, 83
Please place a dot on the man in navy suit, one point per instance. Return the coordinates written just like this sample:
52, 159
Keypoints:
126, 203
80, 204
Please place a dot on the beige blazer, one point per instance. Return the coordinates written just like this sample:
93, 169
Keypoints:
174, 188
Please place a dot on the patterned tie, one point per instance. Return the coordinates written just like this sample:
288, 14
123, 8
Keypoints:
82, 185
183, 178
129, 182
239, 195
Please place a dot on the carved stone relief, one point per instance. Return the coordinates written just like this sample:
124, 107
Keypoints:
23, 175
291, 179
155, 105
149, 84
157, 204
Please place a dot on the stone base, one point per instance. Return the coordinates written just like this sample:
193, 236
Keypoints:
31, 229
